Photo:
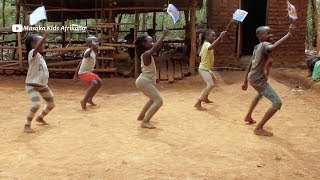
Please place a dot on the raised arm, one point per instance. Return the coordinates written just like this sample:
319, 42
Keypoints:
147, 55
158, 44
40, 43
218, 40
280, 41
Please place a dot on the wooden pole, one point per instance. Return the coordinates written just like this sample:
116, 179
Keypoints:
193, 35
154, 21
3, 24
96, 17
136, 59
144, 21
20, 50
17, 21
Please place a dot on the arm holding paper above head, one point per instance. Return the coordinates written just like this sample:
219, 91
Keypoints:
271, 47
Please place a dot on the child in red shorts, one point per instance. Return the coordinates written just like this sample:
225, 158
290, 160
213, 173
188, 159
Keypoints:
85, 73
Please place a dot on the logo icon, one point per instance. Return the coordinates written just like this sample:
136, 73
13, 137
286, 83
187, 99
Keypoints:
17, 28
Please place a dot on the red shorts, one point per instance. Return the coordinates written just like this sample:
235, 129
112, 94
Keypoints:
88, 77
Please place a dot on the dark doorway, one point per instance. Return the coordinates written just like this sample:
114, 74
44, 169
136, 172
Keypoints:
256, 17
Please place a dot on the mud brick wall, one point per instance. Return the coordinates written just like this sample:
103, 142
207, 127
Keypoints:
290, 54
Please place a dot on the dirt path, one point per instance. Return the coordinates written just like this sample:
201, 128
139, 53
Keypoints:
106, 142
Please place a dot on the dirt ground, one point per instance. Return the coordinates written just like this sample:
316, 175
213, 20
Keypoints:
106, 141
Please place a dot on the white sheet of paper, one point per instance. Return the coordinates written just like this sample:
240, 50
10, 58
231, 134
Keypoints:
38, 15
240, 15
292, 12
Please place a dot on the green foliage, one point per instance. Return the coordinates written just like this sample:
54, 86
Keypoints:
9, 16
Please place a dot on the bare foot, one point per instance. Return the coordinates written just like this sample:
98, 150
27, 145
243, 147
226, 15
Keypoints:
262, 132
199, 107
83, 105
249, 120
140, 118
91, 103
40, 120
28, 129
207, 101
147, 125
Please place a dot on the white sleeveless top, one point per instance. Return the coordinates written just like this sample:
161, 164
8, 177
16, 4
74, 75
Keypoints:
149, 72
88, 64
38, 72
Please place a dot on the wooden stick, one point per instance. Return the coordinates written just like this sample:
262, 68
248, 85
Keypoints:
228, 25
116, 8
74, 69
10, 65
193, 35
78, 49
20, 51
64, 63
136, 59
3, 24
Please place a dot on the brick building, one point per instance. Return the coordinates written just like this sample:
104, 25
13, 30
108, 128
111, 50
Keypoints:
241, 38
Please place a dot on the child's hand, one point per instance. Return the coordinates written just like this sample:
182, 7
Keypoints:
244, 86
291, 28
223, 34
266, 74
165, 31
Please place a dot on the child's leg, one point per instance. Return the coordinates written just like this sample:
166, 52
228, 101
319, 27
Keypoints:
207, 77
48, 97
214, 79
151, 91
254, 103
276, 105
89, 94
90, 101
144, 110
35, 98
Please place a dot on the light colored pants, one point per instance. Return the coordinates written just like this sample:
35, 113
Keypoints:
155, 99
34, 93
209, 78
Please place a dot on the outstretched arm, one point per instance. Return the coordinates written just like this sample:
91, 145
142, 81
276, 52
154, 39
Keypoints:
218, 40
158, 44
280, 41
40, 43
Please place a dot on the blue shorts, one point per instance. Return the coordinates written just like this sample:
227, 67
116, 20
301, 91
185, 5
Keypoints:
270, 94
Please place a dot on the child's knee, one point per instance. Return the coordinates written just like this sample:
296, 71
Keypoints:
210, 85
159, 101
51, 105
277, 104
36, 105
258, 96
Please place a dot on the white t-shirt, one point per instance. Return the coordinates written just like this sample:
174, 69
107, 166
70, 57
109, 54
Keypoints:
88, 64
38, 72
